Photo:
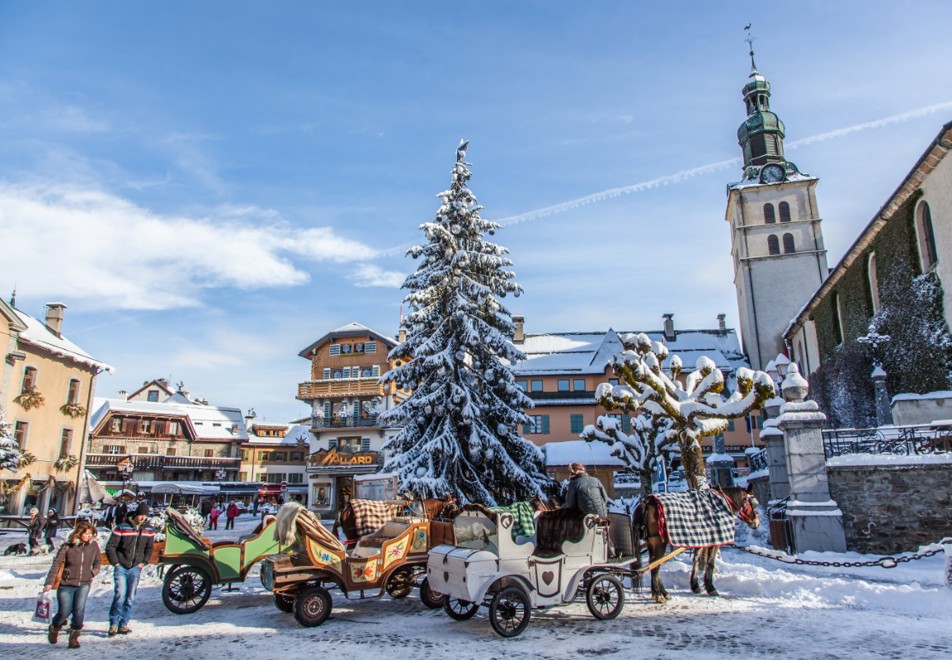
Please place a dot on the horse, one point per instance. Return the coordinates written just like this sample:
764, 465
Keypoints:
739, 501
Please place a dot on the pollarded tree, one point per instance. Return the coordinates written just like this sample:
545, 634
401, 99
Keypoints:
695, 409
647, 442
9, 449
460, 423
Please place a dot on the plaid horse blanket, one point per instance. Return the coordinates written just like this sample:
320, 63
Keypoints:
523, 517
695, 519
371, 515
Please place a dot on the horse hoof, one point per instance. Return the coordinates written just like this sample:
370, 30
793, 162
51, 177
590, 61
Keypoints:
696, 588
713, 592
661, 600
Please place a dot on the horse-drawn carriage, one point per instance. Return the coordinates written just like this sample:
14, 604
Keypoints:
391, 560
196, 563
510, 574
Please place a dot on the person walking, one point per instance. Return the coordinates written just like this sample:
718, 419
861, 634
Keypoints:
51, 528
34, 528
230, 514
213, 517
74, 567
129, 549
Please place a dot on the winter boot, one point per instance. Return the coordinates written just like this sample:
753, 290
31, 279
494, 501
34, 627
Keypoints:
113, 630
53, 634
74, 638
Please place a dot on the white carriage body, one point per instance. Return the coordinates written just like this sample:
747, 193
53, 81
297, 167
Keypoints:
486, 554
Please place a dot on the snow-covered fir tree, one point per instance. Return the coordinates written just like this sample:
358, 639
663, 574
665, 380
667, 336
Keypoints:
695, 409
9, 449
460, 424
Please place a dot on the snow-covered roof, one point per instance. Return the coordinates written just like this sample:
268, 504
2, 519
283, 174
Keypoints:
579, 451
292, 434
210, 422
590, 352
37, 334
349, 330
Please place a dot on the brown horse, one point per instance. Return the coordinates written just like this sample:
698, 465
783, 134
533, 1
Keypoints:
741, 502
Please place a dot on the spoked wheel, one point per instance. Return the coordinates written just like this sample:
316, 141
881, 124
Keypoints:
605, 597
400, 584
509, 611
312, 606
186, 589
461, 610
432, 599
284, 603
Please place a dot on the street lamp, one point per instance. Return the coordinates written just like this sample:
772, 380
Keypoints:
220, 474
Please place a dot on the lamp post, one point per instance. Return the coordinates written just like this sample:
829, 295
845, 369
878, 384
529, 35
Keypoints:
126, 468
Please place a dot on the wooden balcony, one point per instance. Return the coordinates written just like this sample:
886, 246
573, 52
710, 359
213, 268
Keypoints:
339, 387
157, 462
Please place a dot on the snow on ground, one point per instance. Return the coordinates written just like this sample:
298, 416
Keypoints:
767, 609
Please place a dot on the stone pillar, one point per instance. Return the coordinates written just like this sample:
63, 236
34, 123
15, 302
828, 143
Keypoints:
776, 451
721, 464
883, 411
816, 519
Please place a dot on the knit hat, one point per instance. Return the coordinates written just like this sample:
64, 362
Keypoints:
142, 510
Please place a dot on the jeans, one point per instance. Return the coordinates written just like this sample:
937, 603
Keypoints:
125, 581
71, 600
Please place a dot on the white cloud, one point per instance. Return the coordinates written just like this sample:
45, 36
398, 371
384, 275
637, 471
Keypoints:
90, 245
368, 275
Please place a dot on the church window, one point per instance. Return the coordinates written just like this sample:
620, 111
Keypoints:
784, 212
928, 255
837, 319
773, 244
769, 216
788, 246
873, 273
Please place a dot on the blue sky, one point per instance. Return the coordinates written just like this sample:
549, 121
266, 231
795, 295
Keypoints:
212, 186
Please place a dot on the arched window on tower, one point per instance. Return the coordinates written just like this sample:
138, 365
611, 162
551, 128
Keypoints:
788, 246
773, 244
769, 216
873, 274
928, 255
784, 212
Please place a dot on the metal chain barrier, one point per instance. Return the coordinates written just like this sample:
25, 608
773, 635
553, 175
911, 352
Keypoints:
883, 562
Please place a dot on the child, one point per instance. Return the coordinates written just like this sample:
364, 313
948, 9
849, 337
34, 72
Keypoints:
213, 517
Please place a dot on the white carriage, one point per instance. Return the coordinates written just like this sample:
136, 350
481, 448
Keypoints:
511, 575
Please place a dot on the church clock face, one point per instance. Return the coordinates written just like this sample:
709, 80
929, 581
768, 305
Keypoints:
772, 173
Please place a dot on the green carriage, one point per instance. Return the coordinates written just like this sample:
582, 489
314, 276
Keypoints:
194, 564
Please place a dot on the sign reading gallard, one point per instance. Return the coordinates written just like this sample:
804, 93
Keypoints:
331, 457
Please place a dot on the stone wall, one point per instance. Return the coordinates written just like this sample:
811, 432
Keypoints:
893, 508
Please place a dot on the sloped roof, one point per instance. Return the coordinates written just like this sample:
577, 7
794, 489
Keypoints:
291, 437
34, 332
208, 422
352, 329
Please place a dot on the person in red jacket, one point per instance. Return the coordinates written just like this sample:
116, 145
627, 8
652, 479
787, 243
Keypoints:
230, 514
79, 559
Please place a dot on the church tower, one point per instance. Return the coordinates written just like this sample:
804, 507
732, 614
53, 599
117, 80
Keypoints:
776, 239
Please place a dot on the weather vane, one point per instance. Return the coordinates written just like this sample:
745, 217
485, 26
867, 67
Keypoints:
750, 42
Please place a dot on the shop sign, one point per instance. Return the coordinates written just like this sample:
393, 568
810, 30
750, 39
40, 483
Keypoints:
332, 457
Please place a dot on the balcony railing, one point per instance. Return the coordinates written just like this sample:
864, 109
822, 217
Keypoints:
156, 462
555, 396
896, 440
346, 422
758, 461
318, 389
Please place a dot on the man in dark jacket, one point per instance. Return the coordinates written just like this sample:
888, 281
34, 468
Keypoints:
129, 550
585, 493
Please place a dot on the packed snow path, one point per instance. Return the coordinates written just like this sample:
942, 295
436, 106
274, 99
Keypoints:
767, 610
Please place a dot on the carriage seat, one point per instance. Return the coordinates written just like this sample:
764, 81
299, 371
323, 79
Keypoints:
370, 545
553, 528
267, 520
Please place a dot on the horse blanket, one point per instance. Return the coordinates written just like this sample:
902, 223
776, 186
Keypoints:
371, 515
523, 516
695, 519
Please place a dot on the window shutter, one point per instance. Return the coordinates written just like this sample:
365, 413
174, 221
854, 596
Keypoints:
525, 429
326, 374
334, 349
327, 410
332, 443
545, 424
625, 423
577, 423
370, 347
365, 444
375, 372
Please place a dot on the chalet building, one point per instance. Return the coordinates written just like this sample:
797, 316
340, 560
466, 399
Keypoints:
562, 371
166, 435
276, 455
46, 390
345, 399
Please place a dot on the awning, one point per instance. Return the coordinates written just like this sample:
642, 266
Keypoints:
182, 488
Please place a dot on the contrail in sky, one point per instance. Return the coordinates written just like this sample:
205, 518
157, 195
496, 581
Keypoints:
704, 169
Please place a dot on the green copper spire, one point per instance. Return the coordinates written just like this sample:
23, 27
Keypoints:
761, 135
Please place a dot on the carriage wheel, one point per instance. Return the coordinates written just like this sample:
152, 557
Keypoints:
400, 584
432, 599
312, 606
284, 603
461, 610
509, 611
186, 589
605, 597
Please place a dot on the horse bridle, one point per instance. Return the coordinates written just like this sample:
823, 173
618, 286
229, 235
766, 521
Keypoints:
745, 511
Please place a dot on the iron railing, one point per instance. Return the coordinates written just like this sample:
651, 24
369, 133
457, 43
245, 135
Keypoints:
895, 440
346, 422
758, 461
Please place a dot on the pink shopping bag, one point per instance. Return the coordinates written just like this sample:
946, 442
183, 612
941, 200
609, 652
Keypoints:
43, 612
